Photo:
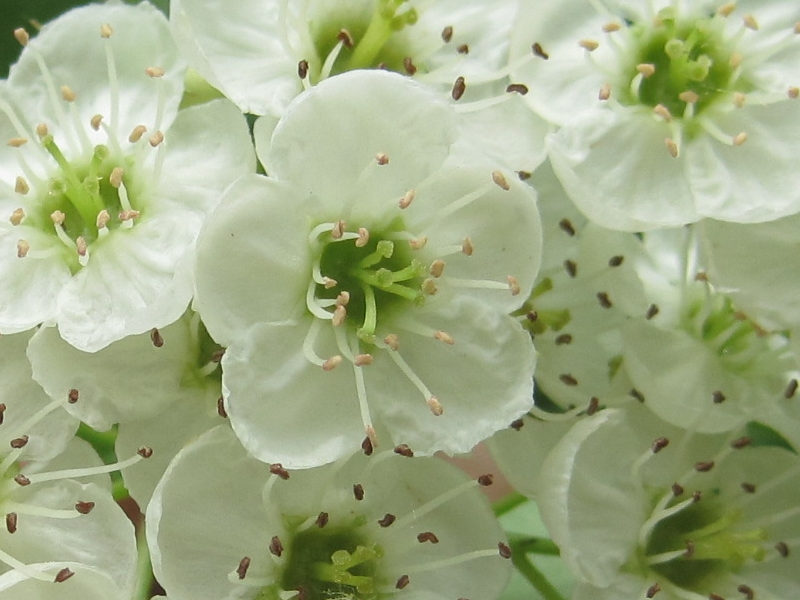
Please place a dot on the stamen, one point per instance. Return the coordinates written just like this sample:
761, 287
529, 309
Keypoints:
137, 134
85, 472
407, 199
500, 180
363, 237
459, 87
330, 60
22, 36
433, 504
430, 399
661, 515
17, 216
437, 268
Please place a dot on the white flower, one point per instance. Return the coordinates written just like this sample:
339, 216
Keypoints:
104, 183
669, 111
365, 289
360, 528
673, 515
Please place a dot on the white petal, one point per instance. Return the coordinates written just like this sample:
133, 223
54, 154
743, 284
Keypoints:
86, 584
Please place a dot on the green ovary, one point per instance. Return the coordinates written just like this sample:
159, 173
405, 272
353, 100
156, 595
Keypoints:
374, 43
688, 56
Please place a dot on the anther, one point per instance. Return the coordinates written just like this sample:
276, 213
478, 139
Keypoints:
67, 94
652, 311
345, 37
322, 520
17, 142
81, 246
504, 550
244, 564
486, 480
57, 217
106, 31
2, 412
154, 72
704, 466
84, 507
718, 397
636, 394
115, 178
137, 134
19, 442
436, 407
429, 287
22, 480
467, 247
590, 45
302, 69
750, 22
402, 582
566, 226
689, 549
155, 337
537, 50
518, 88
571, 267
517, 424
366, 446
387, 520
713, 596
616, 261
748, 488
742, 442
73, 395
437, 268
739, 99
418, 243
747, 591
697, 496
793, 92
611, 27
677, 489
11, 522
672, 147
663, 112
221, 407
329, 283
22, 36
524, 175
156, 139
277, 469
447, 34
513, 285
408, 66
568, 379
604, 300
337, 231
363, 360
646, 69
145, 452
407, 198
689, 97
95, 122
382, 158
128, 215
782, 549
445, 337
275, 546
594, 405
652, 590
790, 390
363, 236
740, 138
41, 130
500, 180
427, 536
21, 187
339, 315
726, 10
403, 450
63, 575
392, 341
605, 92
659, 444
17, 216
358, 492
333, 362
459, 87
463, 49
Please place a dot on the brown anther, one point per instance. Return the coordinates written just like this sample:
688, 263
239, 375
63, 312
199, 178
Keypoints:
63, 575
782, 549
747, 591
463, 49
403, 450
748, 488
156, 139
302, 69
566, 226
513, 285
21, 36
500, 180
663, 112
408, 66
19, 442
2, 412
646, 69
407, 199
443, 336
605, 92
67, 94
22, 480
636, 395
504, 550
345, 37
366, 446
106, 31
115, 178
793, 92
84, 507
697, 496
338, 229
652, 311
652, 590
418, 243
564, 338
437, 268
739, 99
41, 130
275, 546
363, 237
392, 341
17, 142
329, 283
518, 88
796, 28
241, 570
436, 407
11, 522
322, 520
137, 134
277, 469
57, 217
742, 442
594, 405
95, 122
486, 480
713, 596
459, 87
128, 215
604, 300
689, 552
590, 45
571, 267
701, 276
537, 50
339, 315
155, 72
402, 582
221, 408
331, 363
718, 397
427, 536
467, 247
17, 216
155, 337
373, 437
616, 261
145, 452
726, 9
447, 34
517, 424
672, 147
363, 360
81, 246
750, 22
659, 444
73, 395
689, 97
790, 390
21, 187
740, 138
358, 492
382, 158
611, 27
568, 379
387, 520
704, 466
677, 489
524, 175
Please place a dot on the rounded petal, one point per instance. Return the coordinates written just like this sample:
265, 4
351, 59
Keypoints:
86, 584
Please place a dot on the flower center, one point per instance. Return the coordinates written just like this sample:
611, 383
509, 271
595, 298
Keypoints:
675, 64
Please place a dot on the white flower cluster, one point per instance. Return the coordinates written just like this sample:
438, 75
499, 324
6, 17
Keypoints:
293, 252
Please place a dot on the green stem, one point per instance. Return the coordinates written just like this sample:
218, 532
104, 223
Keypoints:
534, 576
103, 443
534, 545
144, 570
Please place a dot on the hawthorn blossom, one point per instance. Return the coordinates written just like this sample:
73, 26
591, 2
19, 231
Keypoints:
363, 290
104, 184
